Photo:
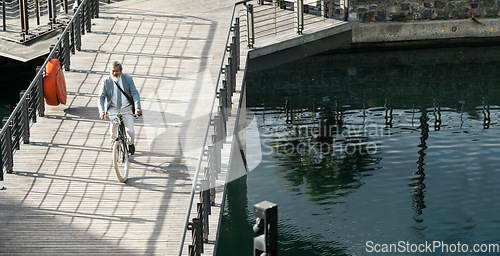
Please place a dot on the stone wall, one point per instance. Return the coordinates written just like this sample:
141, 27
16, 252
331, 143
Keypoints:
411, 10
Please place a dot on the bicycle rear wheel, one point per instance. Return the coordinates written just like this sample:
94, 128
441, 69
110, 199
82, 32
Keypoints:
120, 160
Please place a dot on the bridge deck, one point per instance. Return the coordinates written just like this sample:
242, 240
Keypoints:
63, 197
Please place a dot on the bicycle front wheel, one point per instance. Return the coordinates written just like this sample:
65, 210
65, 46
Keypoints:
120, 160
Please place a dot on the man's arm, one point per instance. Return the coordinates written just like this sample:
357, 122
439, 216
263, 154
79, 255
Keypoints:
135, 95
102, 99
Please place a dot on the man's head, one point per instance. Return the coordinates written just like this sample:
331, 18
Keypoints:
116, 69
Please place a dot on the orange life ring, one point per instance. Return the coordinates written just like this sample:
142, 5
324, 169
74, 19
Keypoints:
54, 84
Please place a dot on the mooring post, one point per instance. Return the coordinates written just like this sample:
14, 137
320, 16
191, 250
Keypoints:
266, 214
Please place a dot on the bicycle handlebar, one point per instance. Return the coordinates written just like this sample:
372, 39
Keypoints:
118, 114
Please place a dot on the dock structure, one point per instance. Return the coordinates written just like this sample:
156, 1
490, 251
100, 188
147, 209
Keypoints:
63, 198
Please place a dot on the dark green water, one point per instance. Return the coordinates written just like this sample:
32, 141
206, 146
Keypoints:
390, 148
16, 76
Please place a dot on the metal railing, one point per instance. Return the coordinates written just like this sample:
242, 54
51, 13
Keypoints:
16, 127
26, 19
224, 90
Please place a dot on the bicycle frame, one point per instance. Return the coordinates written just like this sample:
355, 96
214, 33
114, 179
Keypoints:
121, 131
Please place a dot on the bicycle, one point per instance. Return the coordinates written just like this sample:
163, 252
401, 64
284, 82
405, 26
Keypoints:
121, 161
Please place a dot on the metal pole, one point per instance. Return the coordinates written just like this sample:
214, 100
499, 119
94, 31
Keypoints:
65, 6
88, 16
250, 27
66, 50
344, 10
52, 13
323, 11
300, 16
40, 102
78, 32
4, 16
237, 36
25, 122
8, 143
37, 11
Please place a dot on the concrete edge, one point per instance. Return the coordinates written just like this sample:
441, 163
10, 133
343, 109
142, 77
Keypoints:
301, 40
382, 32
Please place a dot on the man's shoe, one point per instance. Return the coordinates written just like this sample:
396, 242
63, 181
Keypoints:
131, 149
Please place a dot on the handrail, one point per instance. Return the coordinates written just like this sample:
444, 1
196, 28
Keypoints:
41, 71
23, 107
200, 159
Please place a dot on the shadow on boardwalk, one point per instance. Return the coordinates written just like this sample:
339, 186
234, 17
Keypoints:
63, 197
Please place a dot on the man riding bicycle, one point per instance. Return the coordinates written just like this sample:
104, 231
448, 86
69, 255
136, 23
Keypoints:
118, 95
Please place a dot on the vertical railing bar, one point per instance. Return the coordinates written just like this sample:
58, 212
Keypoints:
72, 38
237, 35
37, 11
66, 48
8, 144
24, 124
88, 16
96, 14
65, 6
40, 100
250, 27
300, 16
4, 16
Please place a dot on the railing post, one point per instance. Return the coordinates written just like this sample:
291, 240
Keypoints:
323, 11
24, 16
197, 247
8, 145
37, 11
237, 36
65, 6
205, 203
344, 10
66, 49
234, 54
78, 32
223, 102
72, 38
25, 121
96, 9
300, 16
229, 77
88, 16
40, 100
250, 26
4, 16
217, 155
52, 11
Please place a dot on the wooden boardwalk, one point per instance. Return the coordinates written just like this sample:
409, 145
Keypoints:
63, 197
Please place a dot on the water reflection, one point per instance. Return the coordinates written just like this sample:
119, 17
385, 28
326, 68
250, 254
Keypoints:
486, 113
418, 186
387, 146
